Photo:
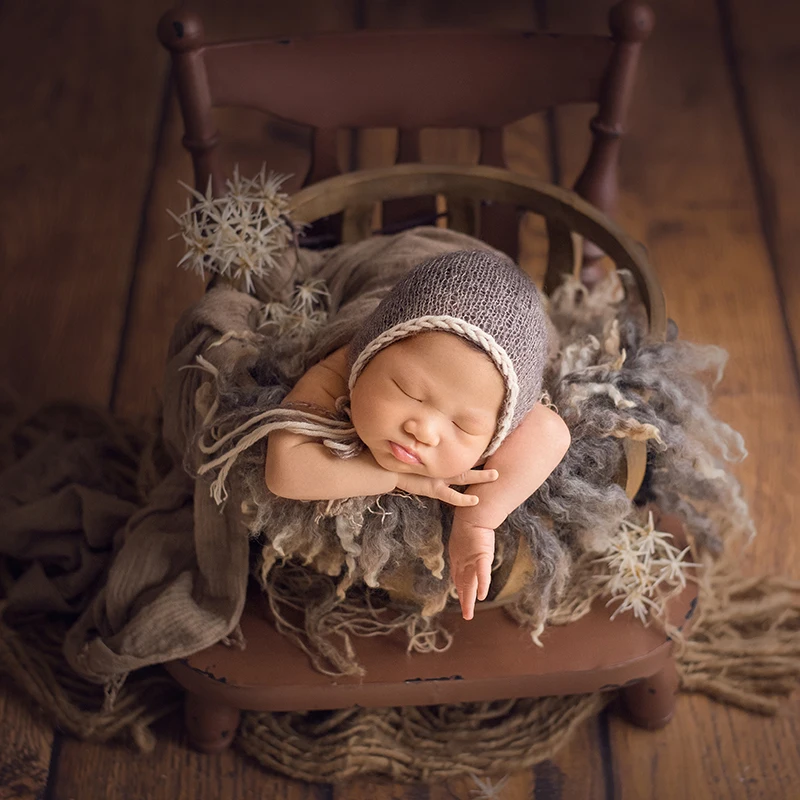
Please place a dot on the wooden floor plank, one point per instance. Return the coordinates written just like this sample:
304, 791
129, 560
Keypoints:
687, 194
172, 770
763, 48
80, 86
79, 113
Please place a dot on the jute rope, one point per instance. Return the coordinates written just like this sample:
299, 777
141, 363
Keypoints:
416, 744
743, 649
35, 663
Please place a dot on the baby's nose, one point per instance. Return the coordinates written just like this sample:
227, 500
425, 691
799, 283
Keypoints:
423, 430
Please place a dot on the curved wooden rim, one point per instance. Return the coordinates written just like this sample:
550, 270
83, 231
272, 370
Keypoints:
490, 183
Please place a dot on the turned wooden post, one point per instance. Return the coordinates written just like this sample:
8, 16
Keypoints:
325, 232
631, 23
407, 211
181, 32
498, 224
650, 703
211, 725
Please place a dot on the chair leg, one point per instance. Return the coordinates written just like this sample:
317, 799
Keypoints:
211, 725
650, 703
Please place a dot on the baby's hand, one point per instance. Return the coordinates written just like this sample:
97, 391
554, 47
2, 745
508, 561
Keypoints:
471, 556
441, 488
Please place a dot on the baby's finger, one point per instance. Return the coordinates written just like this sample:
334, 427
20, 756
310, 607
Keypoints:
471, 476
484, 570
454, 498
480, 476
466, 595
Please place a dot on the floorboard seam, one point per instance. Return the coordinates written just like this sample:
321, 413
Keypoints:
52, 769
325, 791
606, 755
766, 211
122, 346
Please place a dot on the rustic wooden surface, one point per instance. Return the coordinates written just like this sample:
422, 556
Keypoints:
761, 47
709, 183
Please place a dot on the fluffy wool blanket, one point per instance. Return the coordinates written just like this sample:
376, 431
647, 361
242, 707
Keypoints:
154, 583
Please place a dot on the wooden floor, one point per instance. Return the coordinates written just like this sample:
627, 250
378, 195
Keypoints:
711, 185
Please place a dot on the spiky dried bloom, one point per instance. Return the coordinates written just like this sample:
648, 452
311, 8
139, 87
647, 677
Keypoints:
304, 314
241, 234
642, 569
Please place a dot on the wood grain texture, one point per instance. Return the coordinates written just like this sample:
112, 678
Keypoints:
761, 39
172, 770
81, 87
687, 193
26, 739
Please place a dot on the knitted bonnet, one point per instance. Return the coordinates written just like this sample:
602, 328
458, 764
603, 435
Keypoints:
480, 296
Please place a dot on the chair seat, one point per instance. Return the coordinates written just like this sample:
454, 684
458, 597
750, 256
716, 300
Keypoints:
491, 658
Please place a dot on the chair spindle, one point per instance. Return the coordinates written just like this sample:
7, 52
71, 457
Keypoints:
325, 232
408, 211
499, 224
631, 23
183, 35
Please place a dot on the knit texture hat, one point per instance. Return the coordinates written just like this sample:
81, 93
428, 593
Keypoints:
480, 296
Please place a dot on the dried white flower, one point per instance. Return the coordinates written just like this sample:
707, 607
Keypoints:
304, 316
644, 569
309, 296
240, 234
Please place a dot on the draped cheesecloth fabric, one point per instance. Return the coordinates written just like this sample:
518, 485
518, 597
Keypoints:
114, 558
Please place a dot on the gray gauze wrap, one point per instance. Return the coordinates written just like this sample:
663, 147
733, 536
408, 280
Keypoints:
481, 297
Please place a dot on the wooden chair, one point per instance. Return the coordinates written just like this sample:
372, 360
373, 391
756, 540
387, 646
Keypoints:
449, 79
454, 79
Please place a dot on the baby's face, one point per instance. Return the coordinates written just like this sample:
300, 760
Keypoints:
428, 405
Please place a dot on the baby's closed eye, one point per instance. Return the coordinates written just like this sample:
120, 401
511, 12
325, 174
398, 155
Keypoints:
474, 427
406, 392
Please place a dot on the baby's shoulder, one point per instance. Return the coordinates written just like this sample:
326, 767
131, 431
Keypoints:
324, 383
337, 363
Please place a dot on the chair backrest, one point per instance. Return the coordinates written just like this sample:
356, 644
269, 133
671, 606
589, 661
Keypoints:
410, 81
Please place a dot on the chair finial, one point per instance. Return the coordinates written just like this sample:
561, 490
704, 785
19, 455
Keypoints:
631, 21
180, 30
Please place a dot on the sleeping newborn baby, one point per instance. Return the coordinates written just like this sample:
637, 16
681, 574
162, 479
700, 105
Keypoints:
444, 381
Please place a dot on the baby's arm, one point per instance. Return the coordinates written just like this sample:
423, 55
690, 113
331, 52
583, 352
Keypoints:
301, 468
524, 461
